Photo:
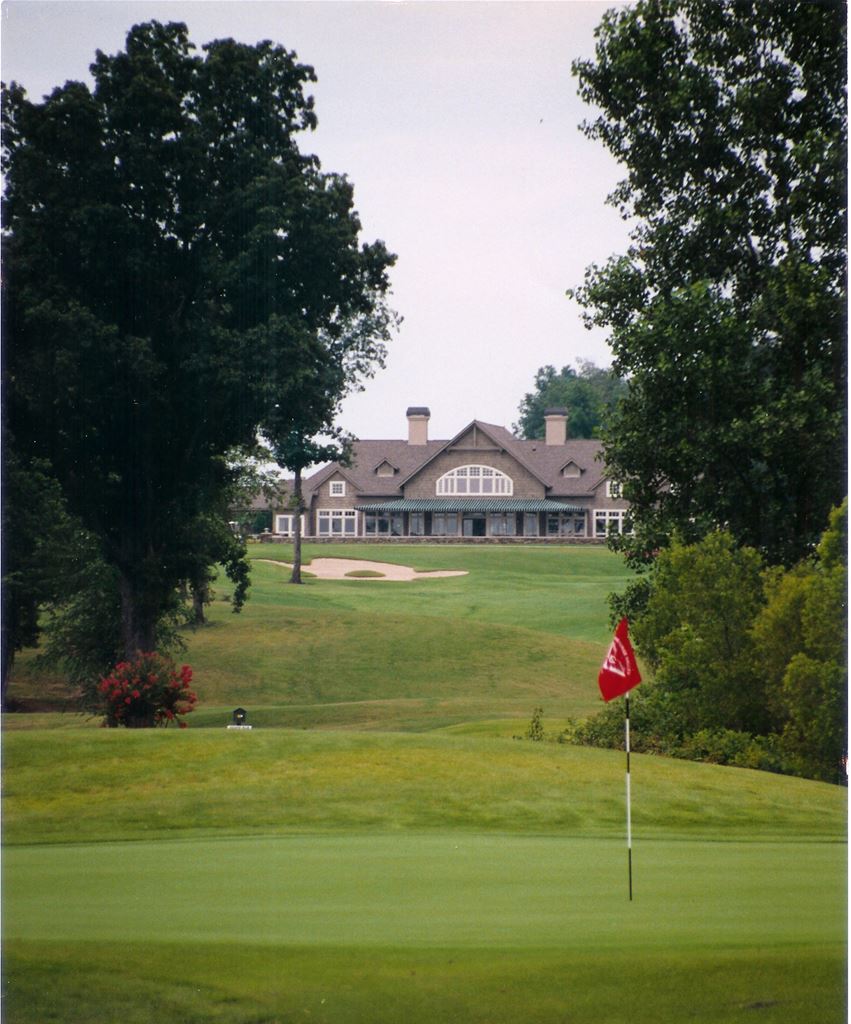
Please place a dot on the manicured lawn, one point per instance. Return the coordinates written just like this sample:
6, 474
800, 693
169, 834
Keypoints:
340, 876
394, 855
425, 928
107, 785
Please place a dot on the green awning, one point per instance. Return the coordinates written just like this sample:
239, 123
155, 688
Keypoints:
468, 505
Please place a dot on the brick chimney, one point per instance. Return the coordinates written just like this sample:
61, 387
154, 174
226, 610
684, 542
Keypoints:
418, 417
556, 421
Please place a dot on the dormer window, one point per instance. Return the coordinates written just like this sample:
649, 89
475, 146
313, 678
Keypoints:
475, 480
385, 469
338, 489
571, 470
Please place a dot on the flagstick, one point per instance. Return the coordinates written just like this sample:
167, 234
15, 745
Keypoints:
628, 802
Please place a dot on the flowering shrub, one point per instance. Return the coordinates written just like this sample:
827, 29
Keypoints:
146, 692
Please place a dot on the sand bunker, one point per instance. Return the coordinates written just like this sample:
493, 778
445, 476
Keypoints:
340, 568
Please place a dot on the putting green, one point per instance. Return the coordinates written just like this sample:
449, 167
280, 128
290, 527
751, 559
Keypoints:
430, 890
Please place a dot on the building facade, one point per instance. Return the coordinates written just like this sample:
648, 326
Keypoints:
482, 483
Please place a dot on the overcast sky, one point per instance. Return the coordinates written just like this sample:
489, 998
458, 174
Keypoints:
458, 125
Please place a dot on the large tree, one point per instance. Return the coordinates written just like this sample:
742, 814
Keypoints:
589, 393
169, 256
727, 314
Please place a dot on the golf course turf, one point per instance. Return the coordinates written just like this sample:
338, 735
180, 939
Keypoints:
380, 849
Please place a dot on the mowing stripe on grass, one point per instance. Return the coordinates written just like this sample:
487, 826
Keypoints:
431, 890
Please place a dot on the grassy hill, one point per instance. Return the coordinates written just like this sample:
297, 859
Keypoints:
394, 854
527, 625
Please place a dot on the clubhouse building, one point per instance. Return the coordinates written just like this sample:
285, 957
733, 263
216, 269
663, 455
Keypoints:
483, 483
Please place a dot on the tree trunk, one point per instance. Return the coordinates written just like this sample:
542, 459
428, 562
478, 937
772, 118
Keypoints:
138, 628
296, 574
200, 597
8, 658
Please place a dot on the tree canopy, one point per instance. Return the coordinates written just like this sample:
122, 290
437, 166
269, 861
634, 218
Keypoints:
589, 394
727, 314
172, 259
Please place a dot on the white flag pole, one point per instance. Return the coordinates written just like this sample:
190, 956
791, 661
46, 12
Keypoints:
628, 801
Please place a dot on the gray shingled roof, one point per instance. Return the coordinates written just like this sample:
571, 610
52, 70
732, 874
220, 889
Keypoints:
544, 461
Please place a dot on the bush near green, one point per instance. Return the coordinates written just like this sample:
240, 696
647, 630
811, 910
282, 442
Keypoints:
749, 666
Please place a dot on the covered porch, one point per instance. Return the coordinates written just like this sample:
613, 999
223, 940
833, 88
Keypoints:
472, 517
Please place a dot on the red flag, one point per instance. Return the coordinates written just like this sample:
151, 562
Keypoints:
620, 671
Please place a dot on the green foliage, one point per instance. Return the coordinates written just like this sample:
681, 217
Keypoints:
727, 315
694, 633
535, 732
800, 644
589, 396
174, 267
82, 630
40, 548
750, 666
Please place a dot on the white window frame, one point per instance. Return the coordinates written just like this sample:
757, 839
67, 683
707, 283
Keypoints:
474, 479
565, 524
383, 524
337, 489
336, 522
288, 530
614, 489
609, 517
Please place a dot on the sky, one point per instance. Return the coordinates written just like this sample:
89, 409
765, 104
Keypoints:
458, 124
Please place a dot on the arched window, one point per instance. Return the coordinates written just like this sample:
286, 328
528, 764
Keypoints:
475, 480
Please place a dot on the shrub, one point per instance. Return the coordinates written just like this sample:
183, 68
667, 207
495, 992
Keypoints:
146, 692
535, 732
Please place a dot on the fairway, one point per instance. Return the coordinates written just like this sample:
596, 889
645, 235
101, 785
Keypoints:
381, 848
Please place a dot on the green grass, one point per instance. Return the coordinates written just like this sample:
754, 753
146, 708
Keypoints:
244, 877
379, 849
191, 983
528, 625
98, 784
